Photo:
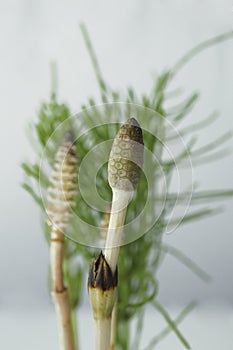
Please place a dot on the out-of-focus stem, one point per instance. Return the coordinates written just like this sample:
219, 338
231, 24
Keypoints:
60, 198
60, 293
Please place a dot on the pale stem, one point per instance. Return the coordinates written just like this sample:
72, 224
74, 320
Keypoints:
113, 327
62, 307
56, 260
120, 200
60, 293
102, 333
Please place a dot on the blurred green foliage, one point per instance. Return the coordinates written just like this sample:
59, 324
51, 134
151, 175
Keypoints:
139, 261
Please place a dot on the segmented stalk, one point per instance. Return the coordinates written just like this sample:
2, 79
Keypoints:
60, 198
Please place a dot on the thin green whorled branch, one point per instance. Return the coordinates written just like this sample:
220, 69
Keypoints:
60, 198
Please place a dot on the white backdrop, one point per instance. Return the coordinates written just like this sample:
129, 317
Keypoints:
134, 40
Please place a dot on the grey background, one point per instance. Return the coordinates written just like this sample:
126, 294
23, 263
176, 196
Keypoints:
134, 40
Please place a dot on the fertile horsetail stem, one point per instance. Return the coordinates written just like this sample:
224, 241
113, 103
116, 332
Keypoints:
60, 199
124, 170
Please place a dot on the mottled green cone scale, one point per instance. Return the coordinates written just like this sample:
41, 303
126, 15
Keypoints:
126, 157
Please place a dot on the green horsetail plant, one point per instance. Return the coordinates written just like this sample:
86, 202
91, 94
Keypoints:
142, 258
62, 191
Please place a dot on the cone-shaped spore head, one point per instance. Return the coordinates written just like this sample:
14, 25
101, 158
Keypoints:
126, 157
